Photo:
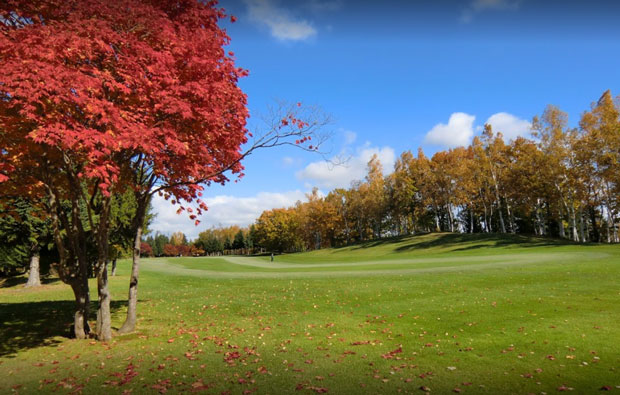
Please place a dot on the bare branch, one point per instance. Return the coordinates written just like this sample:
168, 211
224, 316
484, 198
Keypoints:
284, 124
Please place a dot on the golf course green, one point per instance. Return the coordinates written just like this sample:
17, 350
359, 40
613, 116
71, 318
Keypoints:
439, 313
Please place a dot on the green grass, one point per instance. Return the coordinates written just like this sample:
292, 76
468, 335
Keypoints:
485, 314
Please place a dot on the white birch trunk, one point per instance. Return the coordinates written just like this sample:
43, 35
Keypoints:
34, 277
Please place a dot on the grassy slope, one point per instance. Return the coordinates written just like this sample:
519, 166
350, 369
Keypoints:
550, 320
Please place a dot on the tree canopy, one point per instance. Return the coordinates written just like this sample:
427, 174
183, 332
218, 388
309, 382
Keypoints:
97, 96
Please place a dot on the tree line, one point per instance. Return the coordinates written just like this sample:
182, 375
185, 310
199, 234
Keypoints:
563, 182
211, 242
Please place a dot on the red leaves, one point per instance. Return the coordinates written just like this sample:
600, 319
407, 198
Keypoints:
125, 377
229, 357
318, 390
364, 342
162, 386
105, 94
199, 386
392, 354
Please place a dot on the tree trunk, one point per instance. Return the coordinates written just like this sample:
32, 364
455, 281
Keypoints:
537, 219
450, 218
73, 267
104, 321
540, 224
132, 303
502, 226
491, 218
561, 223
573, 224
104, 330
582, 237
34, 278
82, 307
596, 237
486, 221
498, 199
610, 226
471, 220
511, 227
113, 267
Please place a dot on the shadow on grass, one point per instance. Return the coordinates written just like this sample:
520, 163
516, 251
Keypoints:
460, 241
476, 241
375, 243
34, 324
21, 280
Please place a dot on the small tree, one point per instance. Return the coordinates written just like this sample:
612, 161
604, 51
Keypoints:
145, 249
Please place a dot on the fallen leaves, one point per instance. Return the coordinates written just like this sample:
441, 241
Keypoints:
199, 386
125, 377
392, 354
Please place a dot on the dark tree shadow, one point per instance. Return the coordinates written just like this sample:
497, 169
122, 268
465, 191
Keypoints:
377, 242
34, 324
21, 280
481, 240
461, 241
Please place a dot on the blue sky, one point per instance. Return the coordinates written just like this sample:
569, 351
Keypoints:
398, 75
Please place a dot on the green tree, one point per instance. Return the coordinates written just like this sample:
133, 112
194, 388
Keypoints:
24, 234
239, 241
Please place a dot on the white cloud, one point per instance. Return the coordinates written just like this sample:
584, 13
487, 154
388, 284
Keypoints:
223, 210
326, 175
321, 6
509, 125
458, 131
282, 25
288, 161
478, 6
349, 137
481, 5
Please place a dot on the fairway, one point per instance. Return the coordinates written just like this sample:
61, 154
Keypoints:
440, 313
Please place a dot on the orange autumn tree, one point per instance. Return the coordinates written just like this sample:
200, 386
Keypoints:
100, 96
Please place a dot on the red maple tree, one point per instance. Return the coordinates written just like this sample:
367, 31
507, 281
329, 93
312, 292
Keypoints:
101, 95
